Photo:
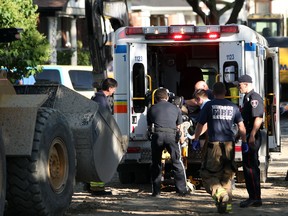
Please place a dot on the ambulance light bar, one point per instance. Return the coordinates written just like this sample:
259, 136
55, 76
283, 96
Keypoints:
181, 37
185, 32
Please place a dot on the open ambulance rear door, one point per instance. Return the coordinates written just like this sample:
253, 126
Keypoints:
272, 90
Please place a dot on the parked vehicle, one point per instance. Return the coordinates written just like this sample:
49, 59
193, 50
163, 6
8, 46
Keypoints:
268, 25
274, 28
51, 137
282, 43
77, 78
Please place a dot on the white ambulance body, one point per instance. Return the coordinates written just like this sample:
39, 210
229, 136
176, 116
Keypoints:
146, 58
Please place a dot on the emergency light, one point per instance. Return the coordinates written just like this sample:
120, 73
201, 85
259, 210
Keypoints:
155, 30
213, 35
134, 30
207, 29
182, 32
229, 29
181, 29
178, 37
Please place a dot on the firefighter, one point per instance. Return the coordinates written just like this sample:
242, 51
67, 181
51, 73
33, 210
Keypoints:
104, 98
252, 113
163, 120
218, 167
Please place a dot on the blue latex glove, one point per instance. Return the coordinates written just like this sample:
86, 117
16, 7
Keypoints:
245, 147
196, 145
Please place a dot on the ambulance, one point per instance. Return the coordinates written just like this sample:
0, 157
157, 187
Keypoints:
176, 57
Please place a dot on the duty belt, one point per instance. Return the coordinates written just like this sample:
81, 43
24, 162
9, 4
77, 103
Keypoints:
169, 130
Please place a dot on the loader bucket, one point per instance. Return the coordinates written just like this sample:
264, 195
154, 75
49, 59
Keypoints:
97, 137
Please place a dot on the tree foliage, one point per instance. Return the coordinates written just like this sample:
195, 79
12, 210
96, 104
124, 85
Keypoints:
21, 58
214, 13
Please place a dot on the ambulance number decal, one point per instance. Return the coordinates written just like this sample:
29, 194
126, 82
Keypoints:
230, 57
138, 58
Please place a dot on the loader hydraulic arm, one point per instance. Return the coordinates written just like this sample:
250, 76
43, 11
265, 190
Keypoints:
98, 12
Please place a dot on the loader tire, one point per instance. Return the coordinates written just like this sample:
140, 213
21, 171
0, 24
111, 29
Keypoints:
42, 184
2, 175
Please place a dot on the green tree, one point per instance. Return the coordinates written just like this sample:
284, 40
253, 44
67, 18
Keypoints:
21, 58
214, 13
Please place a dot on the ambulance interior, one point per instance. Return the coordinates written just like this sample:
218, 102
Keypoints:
179, 67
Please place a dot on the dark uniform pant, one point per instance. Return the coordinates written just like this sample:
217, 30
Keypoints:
251, 169
161, 140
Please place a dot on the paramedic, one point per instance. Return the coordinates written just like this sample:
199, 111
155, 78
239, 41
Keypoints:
218, 167
252, 113
192, 104
203, 85
201, 98
163, 120
199, 85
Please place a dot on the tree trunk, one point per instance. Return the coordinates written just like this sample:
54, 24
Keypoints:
235, 12
213, 19
214, 15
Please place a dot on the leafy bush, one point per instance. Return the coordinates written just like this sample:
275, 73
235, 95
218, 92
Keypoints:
21, 58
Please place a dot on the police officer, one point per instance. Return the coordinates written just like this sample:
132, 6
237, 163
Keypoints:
218, 167
252, 113
166, 119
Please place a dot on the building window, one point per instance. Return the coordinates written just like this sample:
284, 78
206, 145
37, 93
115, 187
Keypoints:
158, 20
262, 6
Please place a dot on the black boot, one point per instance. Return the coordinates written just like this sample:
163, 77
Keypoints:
156, 190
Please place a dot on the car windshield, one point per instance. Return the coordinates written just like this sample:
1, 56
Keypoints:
48, 76
81, 80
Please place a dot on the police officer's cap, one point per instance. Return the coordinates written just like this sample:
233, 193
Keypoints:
245, 78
